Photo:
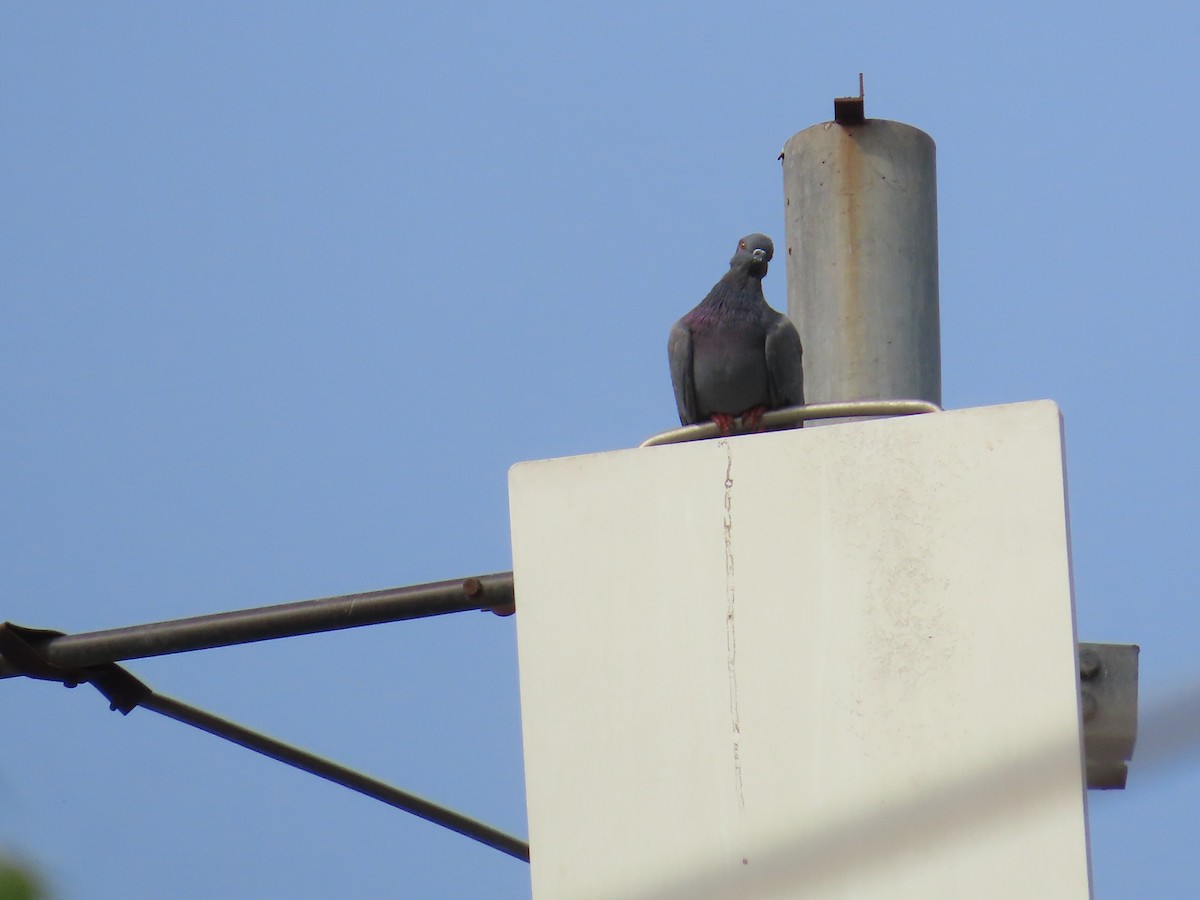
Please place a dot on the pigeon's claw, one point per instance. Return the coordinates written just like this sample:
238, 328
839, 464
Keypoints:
724, 422
752, 419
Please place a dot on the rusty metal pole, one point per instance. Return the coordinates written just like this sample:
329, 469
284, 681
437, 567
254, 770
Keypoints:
862, 259
264, 623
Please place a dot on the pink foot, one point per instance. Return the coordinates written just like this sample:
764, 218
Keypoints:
724, 422
752, 419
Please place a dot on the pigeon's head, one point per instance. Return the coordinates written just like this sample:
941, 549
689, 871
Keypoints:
753, 253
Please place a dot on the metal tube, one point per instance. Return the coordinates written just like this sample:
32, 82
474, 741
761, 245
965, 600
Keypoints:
331, 771
862, 260
791, 416
285, 620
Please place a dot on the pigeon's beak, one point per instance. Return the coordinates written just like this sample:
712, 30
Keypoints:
759, 255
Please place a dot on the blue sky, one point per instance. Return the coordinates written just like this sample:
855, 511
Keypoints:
286, 288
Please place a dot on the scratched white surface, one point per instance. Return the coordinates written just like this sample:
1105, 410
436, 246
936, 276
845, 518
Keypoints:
836, 662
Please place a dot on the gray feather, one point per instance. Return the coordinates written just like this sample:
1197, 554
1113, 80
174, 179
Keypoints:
785, 368
679, 351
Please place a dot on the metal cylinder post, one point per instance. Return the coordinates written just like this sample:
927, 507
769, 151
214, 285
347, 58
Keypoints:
862, 260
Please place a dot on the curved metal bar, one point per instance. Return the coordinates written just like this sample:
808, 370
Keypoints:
791, 416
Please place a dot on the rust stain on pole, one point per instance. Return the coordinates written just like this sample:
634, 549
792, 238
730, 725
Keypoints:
849, 168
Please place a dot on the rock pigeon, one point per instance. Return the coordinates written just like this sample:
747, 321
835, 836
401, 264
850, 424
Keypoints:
733, 356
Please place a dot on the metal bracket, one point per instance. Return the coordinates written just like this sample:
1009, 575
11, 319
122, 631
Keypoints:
851, 110
1108, 677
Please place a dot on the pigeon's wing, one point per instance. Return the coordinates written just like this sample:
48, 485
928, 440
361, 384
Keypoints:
679, 351
785, 370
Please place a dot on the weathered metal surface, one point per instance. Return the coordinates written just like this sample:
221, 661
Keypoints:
1108, 689
862, 260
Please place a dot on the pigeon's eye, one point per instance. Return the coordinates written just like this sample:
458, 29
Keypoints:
741, 245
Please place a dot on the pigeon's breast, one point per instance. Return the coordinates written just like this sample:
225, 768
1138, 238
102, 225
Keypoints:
729, 368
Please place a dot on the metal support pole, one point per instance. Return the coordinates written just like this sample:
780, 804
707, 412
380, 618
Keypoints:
862, 262
487, 592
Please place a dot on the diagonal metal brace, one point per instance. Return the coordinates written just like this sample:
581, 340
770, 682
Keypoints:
125, 692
